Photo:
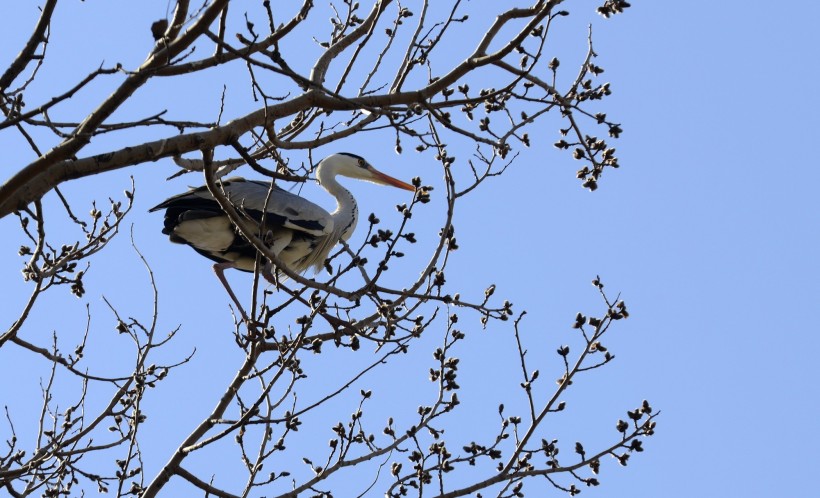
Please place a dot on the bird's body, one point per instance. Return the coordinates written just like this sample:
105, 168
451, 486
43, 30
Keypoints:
300, 233
292, 226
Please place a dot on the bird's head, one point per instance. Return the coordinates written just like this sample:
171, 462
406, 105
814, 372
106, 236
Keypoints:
353, 166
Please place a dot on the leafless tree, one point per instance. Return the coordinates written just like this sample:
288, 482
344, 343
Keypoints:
386, 69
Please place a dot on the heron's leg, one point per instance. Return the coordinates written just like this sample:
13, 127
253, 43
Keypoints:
266, 272
278, 241
219, 269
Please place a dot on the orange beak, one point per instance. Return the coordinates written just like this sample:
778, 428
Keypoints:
389, 180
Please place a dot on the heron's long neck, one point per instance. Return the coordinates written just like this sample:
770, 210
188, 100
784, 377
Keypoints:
347, 213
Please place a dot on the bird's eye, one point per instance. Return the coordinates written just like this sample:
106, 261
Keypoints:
362, 164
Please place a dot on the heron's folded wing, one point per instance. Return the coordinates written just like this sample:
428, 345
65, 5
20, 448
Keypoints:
257, 198
280, 207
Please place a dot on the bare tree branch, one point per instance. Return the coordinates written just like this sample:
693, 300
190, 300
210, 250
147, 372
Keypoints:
425, 75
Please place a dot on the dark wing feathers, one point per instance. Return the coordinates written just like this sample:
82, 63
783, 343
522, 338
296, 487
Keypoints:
313, 226
281, 208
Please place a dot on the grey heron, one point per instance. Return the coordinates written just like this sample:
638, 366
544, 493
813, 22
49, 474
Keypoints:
299, 232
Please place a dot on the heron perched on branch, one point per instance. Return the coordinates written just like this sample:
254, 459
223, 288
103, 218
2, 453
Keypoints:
298, 232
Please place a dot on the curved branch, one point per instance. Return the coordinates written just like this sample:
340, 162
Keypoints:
317, 74
55, 159
27, 54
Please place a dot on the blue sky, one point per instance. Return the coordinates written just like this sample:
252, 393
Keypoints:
709, 231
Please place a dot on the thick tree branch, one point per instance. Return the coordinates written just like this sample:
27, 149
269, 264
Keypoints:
27, 54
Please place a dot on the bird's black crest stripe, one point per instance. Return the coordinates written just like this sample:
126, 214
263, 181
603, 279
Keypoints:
351, 155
